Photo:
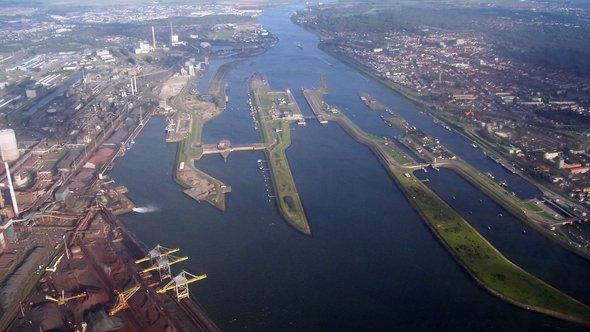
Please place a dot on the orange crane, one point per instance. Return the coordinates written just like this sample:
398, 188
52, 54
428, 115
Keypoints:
63, 299
122, 298
180, 284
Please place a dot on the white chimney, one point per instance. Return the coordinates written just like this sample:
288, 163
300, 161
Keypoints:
12, 195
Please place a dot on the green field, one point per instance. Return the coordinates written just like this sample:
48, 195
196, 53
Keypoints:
286, 192
536, 209
397, 155
484, 262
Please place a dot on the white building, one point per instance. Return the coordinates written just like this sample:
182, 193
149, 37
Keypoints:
144, 47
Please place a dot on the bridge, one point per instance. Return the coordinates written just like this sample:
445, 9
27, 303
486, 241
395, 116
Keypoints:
224, 147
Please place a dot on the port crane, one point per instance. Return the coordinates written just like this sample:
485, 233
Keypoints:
63, 299
180, 284
122, 298
161, 259
156, 253
163, 265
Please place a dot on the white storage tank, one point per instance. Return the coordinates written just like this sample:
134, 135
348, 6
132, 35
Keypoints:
8, 148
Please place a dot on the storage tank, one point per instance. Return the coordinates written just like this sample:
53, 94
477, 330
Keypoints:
8, 148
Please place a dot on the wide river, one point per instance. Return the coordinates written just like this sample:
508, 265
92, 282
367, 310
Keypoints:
371, 264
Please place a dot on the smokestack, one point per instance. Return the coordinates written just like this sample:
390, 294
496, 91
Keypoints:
132, 91
135, 83
153, 38
12, 195
171, 34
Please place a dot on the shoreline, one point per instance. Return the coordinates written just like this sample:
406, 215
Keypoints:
475, 254
461, 131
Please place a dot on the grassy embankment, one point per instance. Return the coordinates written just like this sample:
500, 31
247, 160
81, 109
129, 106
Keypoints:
536, 209
486, 264
479, 257
276, 135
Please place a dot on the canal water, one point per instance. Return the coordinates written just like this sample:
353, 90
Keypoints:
371, 264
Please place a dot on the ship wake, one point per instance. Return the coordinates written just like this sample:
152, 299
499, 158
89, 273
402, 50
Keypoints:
146, 209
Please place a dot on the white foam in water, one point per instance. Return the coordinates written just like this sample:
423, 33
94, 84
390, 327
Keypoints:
145, 209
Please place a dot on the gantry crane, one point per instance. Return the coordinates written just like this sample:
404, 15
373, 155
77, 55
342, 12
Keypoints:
180, 284
63, 299
156, 253
163, 265
161, 258
122, 298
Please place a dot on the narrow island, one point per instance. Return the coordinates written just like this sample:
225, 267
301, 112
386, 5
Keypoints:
371, 102
480, 258
274, 112
315, 99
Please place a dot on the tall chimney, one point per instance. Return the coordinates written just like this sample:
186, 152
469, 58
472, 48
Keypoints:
171, 34
12, 195
153, 38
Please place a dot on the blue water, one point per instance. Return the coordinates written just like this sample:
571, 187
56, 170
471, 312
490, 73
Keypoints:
371, 264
